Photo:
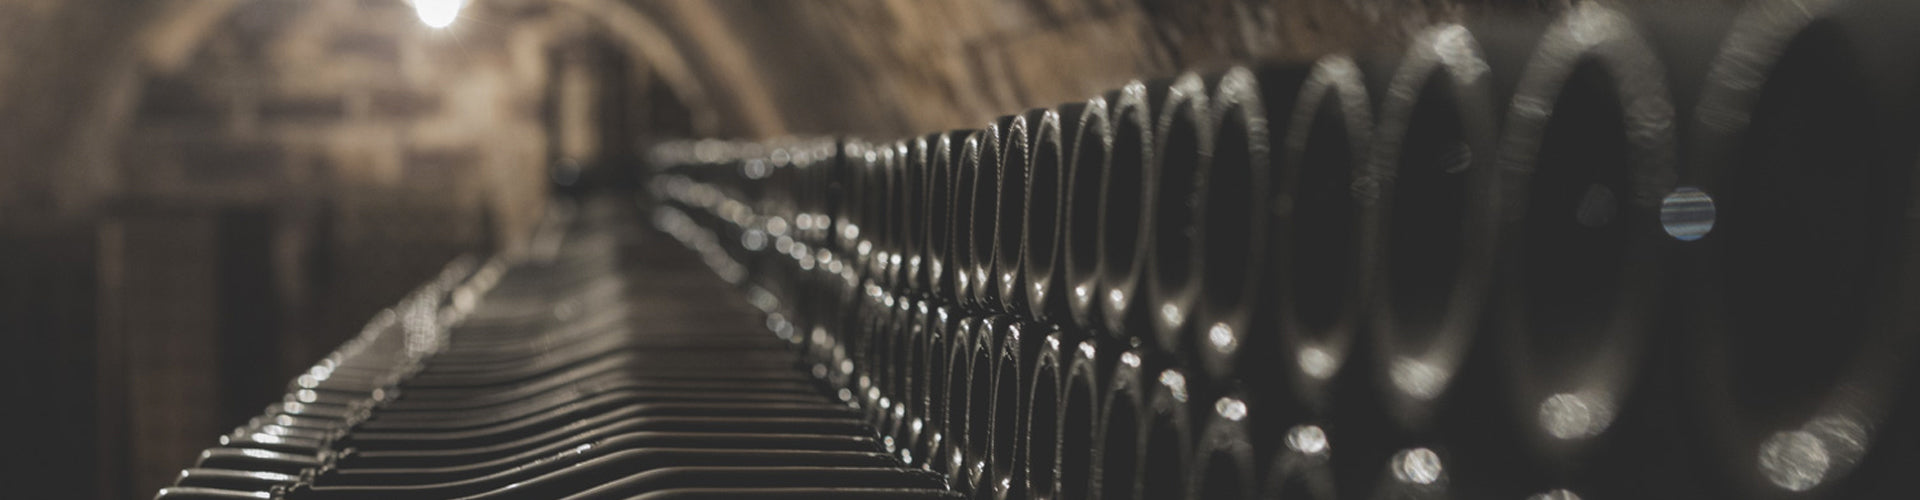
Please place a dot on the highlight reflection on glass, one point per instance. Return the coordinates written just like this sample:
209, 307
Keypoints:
1573, 416
1844, 438
1824, 448
1221, 336
1308, 439
1232, 409
1176, 384
1795, 460
1417, 466
1555, 495
1456, 47
1687, 214
1316, 362
1417, 378
267, 476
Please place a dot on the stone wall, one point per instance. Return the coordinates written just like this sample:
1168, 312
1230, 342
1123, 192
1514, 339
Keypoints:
889, 67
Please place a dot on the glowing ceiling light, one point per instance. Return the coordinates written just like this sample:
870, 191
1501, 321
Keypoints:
438, 13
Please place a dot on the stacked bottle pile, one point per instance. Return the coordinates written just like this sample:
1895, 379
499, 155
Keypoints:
603, 364
1616, 254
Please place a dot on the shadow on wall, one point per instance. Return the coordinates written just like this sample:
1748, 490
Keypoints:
139, 335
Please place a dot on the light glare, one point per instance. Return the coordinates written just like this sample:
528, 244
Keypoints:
438, 13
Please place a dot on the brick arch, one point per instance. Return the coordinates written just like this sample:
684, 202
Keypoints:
650, 48
180, 28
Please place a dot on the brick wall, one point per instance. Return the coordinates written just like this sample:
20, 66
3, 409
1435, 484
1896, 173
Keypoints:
313, 100
887, 67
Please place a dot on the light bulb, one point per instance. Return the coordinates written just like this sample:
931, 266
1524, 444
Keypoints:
438, 13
